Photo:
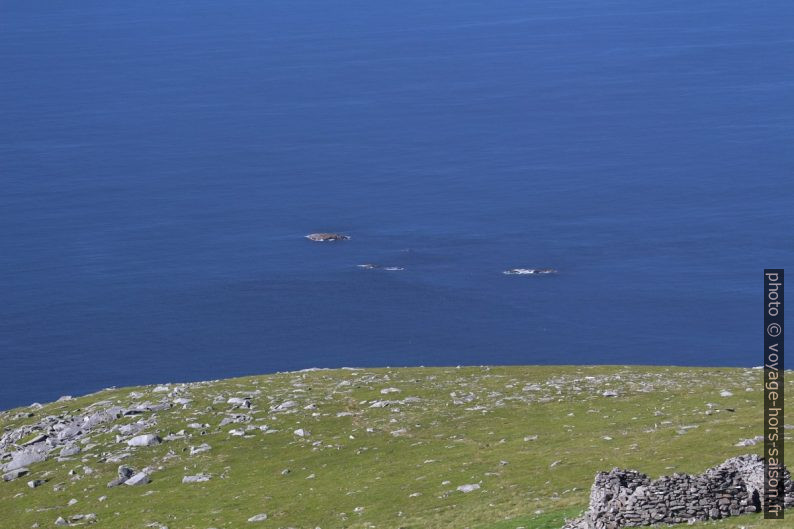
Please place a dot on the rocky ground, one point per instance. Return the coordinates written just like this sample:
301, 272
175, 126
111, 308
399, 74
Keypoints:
479, 448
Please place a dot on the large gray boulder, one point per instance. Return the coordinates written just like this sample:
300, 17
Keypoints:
27, 456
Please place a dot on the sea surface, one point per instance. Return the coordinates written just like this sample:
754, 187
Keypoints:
162, 161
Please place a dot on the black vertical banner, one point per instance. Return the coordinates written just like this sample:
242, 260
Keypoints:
774, 495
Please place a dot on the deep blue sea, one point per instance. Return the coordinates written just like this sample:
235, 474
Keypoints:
161, 162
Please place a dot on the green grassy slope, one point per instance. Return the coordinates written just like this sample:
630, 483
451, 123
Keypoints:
397, 465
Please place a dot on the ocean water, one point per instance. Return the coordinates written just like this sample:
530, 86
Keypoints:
161, 161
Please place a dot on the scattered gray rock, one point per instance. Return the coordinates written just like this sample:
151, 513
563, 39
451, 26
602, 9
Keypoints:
125, 473
82, 518
70, 450
469, 488
258, 518
285, 406
36, 483
116, 482
235, 419
145, 440
750, 442
39, 438
14, 474
132, 429
199, 449
200, 478
141, 478
243, 403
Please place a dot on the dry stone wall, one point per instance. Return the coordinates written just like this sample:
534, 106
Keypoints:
627, 498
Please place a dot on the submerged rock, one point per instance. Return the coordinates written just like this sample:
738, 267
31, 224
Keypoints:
327, 237
372, 266
529, 271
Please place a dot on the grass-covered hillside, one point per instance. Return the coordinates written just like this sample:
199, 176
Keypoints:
374, 448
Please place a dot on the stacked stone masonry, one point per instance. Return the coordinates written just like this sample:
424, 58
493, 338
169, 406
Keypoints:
627, 498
